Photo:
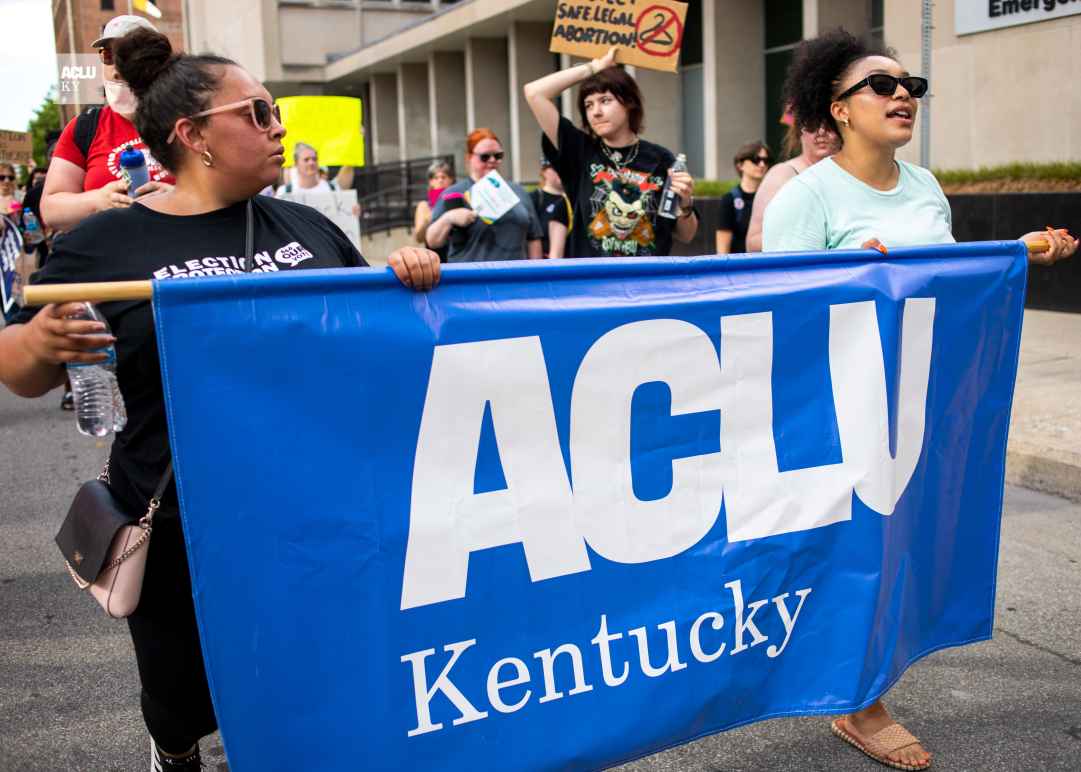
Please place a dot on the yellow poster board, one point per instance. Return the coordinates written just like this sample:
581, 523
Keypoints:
645, 33
330, 124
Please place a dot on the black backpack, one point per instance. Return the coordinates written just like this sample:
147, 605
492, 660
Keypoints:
86, 126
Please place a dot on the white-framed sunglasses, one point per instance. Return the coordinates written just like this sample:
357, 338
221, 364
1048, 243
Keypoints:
263, 114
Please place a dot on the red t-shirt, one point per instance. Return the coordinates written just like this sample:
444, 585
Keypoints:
115, 134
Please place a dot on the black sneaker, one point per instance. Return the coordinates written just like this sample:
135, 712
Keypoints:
67, 402
159, 762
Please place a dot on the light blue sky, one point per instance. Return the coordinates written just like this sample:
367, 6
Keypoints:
27, 60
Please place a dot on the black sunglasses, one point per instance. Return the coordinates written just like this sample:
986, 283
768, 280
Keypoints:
7, 177
486, 157
884, 84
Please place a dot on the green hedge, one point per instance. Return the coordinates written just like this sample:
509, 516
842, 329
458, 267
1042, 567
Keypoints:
713, 188
1067, 170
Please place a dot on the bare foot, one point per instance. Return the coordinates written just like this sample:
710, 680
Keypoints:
865, 723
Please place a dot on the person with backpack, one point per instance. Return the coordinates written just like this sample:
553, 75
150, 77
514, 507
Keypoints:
85, 175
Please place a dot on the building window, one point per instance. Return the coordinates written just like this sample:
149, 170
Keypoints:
877, 31
784, 31
107, 5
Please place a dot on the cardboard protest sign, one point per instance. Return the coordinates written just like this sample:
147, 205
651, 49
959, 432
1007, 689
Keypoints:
646, 33
16, 147
336, 205
330, 124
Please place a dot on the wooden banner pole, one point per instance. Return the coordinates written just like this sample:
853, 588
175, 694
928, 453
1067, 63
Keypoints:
101, 292
97, 292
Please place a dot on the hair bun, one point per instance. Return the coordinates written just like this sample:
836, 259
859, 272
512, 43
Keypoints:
141, 56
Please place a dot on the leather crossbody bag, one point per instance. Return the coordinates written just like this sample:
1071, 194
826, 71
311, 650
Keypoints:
105, 547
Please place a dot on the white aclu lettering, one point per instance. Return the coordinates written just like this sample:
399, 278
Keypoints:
705, 646
78, 72
554, 522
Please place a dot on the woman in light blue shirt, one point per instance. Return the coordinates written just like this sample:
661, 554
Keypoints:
864, 197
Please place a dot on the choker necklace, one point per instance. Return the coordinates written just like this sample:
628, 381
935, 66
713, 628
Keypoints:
616, 156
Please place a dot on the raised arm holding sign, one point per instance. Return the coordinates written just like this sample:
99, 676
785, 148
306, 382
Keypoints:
613, 178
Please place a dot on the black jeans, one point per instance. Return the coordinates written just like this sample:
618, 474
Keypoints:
175, 696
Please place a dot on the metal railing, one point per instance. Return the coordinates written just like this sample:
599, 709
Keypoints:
387, 193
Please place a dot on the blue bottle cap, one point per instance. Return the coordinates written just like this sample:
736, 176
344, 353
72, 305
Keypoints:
132, 158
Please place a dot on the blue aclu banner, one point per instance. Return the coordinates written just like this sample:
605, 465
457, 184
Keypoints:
562, 515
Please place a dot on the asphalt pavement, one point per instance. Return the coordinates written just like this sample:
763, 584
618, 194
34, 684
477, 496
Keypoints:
69, 689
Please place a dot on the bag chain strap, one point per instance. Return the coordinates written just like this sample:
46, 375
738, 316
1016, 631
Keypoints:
146, 522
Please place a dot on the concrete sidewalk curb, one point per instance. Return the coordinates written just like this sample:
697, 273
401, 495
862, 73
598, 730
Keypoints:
1055, 472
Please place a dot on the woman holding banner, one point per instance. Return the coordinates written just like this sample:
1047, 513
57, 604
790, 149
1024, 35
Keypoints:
215, 127
865, 197
612, 176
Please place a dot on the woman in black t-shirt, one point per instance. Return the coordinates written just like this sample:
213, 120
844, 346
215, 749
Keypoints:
215, 127
612, 176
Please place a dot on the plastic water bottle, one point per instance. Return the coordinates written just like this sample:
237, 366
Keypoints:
99, 406
31, 229
133, 162
669, 206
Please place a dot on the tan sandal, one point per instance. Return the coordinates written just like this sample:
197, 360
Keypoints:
882, 743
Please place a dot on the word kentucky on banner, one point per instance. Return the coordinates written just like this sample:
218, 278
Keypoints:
571, 514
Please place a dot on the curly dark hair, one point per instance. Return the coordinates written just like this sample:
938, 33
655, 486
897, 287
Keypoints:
816, 71
169, 86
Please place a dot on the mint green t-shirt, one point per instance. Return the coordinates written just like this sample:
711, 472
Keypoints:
825, 207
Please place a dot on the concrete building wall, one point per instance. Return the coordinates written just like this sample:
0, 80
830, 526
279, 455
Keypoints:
446, 95
308, 35
383, 109
378, 23
528, 59
488, 92
853, 15
414, 118
998, 97
241, 36
662, 94
735, 80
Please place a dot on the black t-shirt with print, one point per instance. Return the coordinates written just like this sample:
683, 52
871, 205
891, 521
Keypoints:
138, 243
615, 210
551, 207
735, 216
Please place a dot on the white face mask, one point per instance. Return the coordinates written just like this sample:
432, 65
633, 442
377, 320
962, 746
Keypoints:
120, 98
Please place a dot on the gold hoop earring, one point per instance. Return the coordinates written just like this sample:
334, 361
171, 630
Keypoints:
208, 160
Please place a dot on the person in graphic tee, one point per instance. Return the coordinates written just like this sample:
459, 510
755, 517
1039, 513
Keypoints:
516, 235
553, 209
751, 162
85, 175
215, 127
612, 176
864, 196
